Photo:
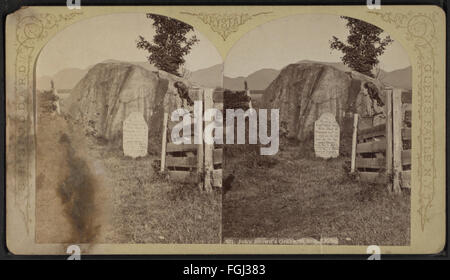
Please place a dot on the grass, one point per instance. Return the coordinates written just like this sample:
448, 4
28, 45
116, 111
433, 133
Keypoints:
296, 195
150, 209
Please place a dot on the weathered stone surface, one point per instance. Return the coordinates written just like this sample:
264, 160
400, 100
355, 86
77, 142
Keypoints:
326, 136
135, 136
304, 91
109, 92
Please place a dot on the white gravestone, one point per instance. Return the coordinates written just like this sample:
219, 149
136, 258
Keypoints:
135, 136
326, 136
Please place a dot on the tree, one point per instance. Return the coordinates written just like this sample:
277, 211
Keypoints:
364, 45
170, 44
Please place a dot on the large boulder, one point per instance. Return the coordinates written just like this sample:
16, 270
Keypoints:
304, 91
110, 92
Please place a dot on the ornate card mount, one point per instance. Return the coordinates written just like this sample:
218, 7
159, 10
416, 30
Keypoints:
420, 30
225, 24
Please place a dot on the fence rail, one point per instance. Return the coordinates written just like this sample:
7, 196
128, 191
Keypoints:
378, 130
385, 149
370, 154
194, 163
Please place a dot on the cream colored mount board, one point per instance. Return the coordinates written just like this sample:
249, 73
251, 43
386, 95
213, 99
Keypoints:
103, 122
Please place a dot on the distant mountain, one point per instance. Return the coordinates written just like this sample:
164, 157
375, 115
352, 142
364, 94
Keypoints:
44, 83
208, 77
69, 77
399, 78
64, 79
213, 76
234, 83
258, 80
144, 64
339, 65
261, 79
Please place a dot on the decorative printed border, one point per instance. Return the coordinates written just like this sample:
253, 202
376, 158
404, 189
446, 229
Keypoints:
31, 30
421, 31
34, 25
223, 23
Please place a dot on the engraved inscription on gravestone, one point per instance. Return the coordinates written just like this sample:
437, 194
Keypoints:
135, 136
326, 136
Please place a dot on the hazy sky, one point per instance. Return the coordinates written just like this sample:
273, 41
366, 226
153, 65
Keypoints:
281, 42
271, 45
111, 37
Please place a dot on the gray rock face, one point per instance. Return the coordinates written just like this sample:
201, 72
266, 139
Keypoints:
304, 91
110, 92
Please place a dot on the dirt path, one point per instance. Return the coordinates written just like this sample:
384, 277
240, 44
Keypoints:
103, 198
73, 204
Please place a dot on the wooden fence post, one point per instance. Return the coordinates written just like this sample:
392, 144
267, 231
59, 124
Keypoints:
247, 93
199, 133
164, 142
397, 138
389, 138
354, 142
209, 148
218, 153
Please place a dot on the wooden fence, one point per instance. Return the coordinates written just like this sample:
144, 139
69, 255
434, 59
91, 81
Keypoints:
371, 154
194, 163
402, 110
382, 153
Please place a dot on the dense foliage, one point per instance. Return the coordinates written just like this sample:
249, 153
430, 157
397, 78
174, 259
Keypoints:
363, 47
170, 43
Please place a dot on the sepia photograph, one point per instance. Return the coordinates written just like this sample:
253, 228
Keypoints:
225, 130
104, 86
337, 82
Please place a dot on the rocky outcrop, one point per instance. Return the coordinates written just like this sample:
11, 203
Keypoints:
109, 92
304, 91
